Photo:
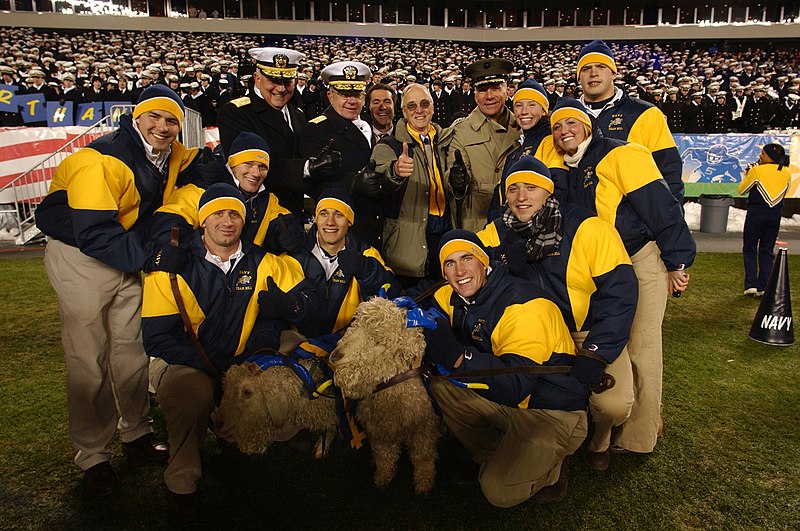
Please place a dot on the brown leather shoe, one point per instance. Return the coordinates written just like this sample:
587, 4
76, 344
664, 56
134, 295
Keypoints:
558, 490
147, 448
598, 460
101, 480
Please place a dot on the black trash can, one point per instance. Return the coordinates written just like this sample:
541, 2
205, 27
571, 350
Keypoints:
714, 212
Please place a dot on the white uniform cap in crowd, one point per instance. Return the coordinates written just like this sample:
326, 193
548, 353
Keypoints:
276, 62
346, 75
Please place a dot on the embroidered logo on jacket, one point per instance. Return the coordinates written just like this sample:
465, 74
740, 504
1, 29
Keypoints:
244, 282
588, 177
616, 123
476, 330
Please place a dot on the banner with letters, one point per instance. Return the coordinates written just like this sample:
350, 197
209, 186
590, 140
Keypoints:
715, 164
89, 113
7, 93
31, 107
58, 114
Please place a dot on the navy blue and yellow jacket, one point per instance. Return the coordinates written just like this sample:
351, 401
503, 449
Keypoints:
102, 198
620, 182
590, 277
767, 186
260, 225
530, 144
635, 120
510, 323
223, 308
342, 293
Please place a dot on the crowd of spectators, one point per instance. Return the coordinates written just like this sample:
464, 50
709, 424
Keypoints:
701, 89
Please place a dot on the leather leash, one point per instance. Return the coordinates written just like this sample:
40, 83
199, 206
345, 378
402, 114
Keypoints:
605, 384
187, 323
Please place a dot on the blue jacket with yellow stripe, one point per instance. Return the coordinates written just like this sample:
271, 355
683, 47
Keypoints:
635, 120
530, 145
590, 277
620, 182
102, 198
260, 224
223, 308
766, 186
342, 293
510, 323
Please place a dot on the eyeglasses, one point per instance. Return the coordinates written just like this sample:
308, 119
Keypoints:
424, 105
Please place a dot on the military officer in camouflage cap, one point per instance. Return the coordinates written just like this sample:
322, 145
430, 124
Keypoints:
269, 112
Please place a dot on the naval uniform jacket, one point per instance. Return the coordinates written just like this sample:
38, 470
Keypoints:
253, 114
510, 323
356, 151
589, 277
102, 198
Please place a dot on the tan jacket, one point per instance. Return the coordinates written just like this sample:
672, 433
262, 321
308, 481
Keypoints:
484, 146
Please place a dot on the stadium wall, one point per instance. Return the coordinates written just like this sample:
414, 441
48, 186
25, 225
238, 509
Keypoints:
404, 31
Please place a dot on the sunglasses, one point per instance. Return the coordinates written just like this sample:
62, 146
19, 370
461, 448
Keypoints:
424, 105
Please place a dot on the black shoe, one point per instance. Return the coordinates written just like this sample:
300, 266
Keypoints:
101, 480
184, 508
148, 448
558, 490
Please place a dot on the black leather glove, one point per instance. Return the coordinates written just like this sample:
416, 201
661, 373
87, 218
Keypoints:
441, 344
291, 238
169, 258
514, 253
274, 303
326, 165
352, 262
208, 169
588, 371
459, 177
367, 182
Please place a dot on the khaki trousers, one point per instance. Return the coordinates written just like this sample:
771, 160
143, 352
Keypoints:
186, 395
105, 361
640, 431
613, 406
520, 450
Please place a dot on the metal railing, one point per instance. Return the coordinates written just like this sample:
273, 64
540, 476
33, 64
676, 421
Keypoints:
30, 187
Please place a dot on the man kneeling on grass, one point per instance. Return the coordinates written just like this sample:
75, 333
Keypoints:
234, 296
519, 427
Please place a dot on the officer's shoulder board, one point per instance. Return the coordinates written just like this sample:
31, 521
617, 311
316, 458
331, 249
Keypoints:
240, 102
318, 120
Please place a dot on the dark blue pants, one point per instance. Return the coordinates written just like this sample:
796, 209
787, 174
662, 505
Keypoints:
760, 232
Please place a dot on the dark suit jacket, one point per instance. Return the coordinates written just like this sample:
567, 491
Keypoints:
356, 151
285, 177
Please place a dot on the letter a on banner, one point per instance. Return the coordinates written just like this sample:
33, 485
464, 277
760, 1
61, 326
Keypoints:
90, 113
58, 115
116, 112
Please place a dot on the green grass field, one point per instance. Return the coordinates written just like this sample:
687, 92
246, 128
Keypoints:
728, 458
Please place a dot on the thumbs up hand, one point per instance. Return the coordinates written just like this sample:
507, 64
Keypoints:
405, 163
459, 176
